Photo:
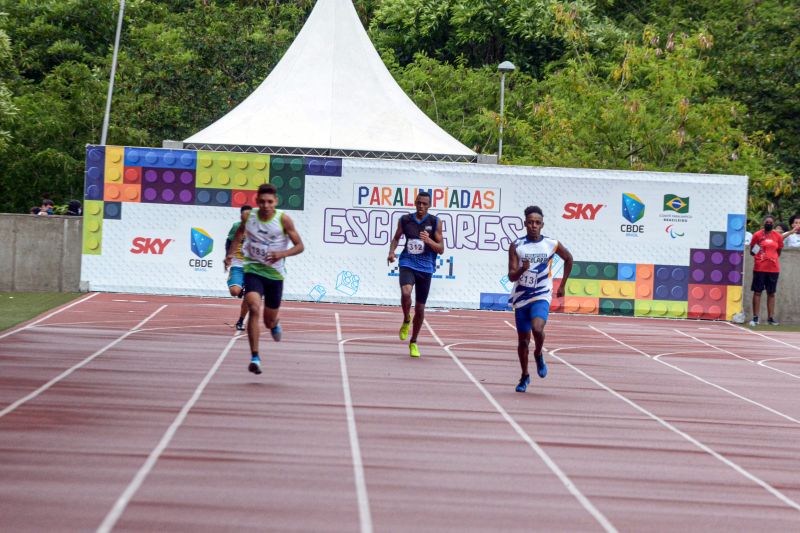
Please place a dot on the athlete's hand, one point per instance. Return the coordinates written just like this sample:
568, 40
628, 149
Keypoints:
227, 262
425, 237
391, 258
526, 265
560, 292
275, 256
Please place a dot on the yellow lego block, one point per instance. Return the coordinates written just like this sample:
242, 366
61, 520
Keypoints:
734, 304
660, 308
225, 170
115, 162
617, 289
583, 288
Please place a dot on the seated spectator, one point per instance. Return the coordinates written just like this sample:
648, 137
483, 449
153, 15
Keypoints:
35, 210
74, 209
791, 238
46, 208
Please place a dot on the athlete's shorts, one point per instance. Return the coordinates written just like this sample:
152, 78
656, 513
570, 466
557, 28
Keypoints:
765, 280
524, 315
236, 277
270, 289
420, 280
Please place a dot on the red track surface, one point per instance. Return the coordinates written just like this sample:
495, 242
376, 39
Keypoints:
137, 413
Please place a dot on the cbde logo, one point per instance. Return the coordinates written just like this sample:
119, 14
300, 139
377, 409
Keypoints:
201, 244
632, 211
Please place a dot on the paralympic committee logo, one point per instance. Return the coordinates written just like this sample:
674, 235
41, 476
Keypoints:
202, 245
632, 211
672, 232
676, 209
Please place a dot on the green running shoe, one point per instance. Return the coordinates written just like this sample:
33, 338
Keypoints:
413, 350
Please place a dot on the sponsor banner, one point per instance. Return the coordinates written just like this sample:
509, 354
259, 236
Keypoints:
347, 221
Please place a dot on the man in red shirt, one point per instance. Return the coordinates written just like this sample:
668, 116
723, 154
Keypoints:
765, 247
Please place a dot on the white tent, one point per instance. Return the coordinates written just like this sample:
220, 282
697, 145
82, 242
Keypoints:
331, 94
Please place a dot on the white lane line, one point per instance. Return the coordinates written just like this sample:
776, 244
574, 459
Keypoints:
723, 350
762, 335
83, 363
763, 484
122, 502
698, 378
565, 480
764, 362
364, 514
76, 302
759, 363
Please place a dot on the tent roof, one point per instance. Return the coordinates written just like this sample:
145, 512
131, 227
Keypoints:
331, 94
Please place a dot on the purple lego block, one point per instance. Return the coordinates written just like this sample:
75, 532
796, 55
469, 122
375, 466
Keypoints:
166, 186
95, 172
671, 282
160, 158
323, 166
716, 267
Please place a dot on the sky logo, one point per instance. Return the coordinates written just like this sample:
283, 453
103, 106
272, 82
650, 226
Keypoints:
202, 243
632, 207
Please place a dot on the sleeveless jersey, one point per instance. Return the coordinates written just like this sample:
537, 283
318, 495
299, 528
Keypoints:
536, 282
238, 258
417, 255
260, 238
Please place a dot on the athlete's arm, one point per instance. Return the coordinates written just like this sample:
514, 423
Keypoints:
395, 242
436, 244
237, 240
564, 254
291, 232
515, 272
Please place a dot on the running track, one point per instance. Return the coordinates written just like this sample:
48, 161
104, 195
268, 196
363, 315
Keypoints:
136, 413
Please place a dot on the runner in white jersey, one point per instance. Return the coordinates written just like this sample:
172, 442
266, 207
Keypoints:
529, 263
266, 235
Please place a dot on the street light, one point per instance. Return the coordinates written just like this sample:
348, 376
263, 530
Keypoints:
113, 72
504, 67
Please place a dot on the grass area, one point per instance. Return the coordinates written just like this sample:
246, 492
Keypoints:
765, 328
16, 307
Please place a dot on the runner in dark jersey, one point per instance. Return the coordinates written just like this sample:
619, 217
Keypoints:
423, 233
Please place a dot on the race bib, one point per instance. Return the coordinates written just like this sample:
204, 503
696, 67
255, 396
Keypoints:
528, 279
415, 246
258, 251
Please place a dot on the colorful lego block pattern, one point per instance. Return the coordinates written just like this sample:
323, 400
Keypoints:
733, 301
114, 166
167, 186
223, 170
95, 172
323, 166
734, 239
660, 308
160, 158
670, 282
92, 227
707, 301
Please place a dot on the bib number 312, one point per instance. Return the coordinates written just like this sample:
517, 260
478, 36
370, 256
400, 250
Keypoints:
415, 246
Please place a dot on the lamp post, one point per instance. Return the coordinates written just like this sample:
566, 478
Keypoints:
113, 72
504, 67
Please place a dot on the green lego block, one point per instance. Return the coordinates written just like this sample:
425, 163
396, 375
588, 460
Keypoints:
93, 227
661, 308
593, 270
287, 174
225, 170
616, 306
583, 287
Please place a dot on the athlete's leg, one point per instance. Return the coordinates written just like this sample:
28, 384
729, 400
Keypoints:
235, 290
272, 304
243, 310
537, 326
422, 287
523, 341
757, 302
253, 301
405, 301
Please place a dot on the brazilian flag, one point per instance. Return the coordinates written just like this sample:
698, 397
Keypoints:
676, 203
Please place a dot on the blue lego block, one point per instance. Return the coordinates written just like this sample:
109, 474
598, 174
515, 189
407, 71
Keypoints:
626, 272
317, 293
735, 234
214, 197
494, 301
347, 282
160, 158
95, 172
671, 282
323, 166
112, 211
717, 239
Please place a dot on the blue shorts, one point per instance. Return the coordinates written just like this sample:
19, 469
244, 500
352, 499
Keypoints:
236, 277
524, 315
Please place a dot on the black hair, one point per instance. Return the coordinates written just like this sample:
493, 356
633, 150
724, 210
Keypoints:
533, 209
793, 218
47, 202
766, 217
246, 208
423, 193
267, 188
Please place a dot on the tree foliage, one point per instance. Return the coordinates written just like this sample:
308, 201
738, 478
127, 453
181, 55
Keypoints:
701, 86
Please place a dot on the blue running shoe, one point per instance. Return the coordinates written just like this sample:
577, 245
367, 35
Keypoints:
541, 367
276, 332
524, 381
255, 365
